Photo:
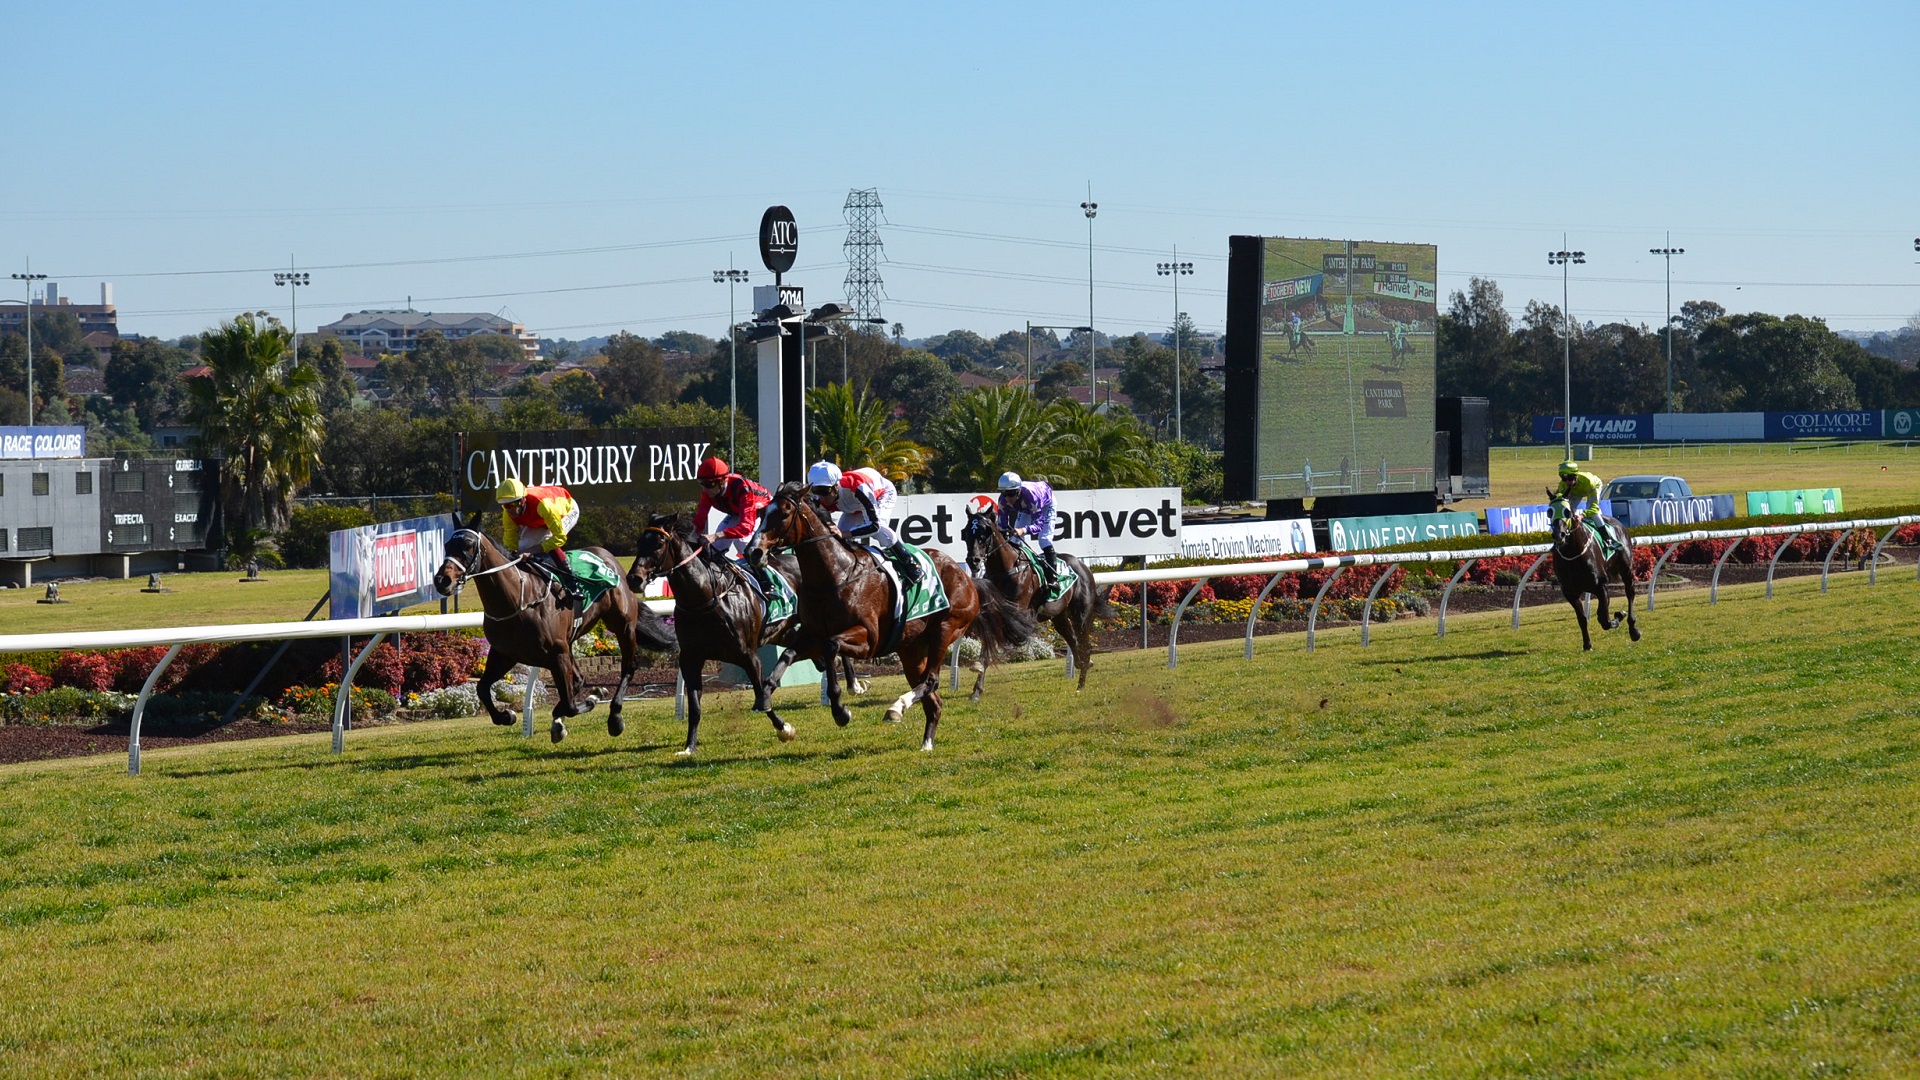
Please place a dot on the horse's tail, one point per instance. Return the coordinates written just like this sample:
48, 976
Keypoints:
1102, 608
1003, 621
652, 631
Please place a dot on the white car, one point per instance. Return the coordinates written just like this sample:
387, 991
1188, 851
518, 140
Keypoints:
1646, 487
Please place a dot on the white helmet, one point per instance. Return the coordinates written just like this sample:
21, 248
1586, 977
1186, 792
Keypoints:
1009, 481
823, 474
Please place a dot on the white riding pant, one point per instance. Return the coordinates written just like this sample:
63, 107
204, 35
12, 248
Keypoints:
532, 536
880, 537
737, 547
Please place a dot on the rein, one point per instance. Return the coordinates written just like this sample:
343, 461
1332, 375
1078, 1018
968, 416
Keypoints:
465, 576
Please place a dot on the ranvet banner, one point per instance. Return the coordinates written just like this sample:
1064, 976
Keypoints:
375, 569
1370, 533
42, 442
1100, 523
597, 467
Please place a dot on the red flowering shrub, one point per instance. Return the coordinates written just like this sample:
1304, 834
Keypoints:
84, 670
422, 662
1239, 586
1167, 594
21, 679
130, 666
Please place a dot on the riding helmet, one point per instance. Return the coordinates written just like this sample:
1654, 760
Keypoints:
713, 468
823, 474
1568, 468
509, 490
1009, 481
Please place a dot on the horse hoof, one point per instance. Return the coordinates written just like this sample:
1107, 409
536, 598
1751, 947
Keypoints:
842, 717
859, 687
559, 731
786, 733
1633, 633
503, 721
587, 706
615, 725
893, 716
974, 697
685, 751
926, 744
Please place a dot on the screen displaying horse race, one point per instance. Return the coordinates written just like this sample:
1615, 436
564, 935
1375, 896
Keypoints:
1345, 377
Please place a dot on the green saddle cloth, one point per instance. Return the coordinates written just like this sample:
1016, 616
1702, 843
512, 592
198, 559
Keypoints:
595, 575
782, 602
1062, 584
926, 596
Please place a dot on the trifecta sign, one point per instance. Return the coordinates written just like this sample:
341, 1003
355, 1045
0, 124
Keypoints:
779, 239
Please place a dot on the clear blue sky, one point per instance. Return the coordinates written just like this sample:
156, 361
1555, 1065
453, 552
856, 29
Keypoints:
402, 149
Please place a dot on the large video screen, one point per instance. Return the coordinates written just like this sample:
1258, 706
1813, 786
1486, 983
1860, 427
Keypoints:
1343, 359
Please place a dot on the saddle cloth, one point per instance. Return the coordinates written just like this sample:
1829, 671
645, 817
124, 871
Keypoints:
779, 604
1067, 574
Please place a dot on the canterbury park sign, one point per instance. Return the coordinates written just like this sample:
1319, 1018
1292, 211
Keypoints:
608, 467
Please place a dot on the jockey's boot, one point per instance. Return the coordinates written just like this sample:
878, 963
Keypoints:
1602, 534
908, 566
1051, 562
571, 594
761, 574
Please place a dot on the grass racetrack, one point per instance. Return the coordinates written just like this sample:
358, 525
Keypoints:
1478, 855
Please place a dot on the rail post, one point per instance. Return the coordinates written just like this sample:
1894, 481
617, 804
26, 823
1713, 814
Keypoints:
1713, 592
1826, 564
1366, 613
953, 665
1313, 613
1173, 628
1522, 587
343, 701
526, 707
1447, 594
1254, 615
1775, 561
140, 710
1653, 578
1873, 561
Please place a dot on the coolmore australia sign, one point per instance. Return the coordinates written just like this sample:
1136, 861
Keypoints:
1530, 519
598, 467
375, 569
1247, 541
1102, 523
1369, 533
1826, 424
42, 442
1691, 510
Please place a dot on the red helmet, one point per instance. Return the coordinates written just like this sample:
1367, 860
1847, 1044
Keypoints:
981, 504
714, 469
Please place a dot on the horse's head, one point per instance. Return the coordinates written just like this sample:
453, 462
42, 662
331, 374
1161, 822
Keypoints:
655, 549
464, 549
789, 520
980, 533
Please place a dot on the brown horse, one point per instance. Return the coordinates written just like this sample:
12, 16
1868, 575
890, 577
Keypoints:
846, 608
990, 554
525, 623
1582, 569
716, 615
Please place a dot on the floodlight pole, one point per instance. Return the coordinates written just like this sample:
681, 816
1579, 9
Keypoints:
1175, 269
732, 277
1091, 208
1561, 258
29, 277
1669, 252
293, 280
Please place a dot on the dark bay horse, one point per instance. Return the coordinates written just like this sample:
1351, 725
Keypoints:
846, 608
992, 555
716, 615
1582, 569
526, 624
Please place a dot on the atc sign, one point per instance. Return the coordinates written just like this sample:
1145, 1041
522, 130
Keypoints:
779, 239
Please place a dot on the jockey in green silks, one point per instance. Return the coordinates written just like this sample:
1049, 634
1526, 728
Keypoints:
1577, 484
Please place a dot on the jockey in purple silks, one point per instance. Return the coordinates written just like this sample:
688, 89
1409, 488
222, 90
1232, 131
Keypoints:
1026, 509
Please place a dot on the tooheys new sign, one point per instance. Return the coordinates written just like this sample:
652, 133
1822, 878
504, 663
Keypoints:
599, 468
1103, 523
374, 569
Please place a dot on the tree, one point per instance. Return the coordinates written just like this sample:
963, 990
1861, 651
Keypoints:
452, 371
989, 431
60, 331
578, 393
635, 373
532, 405
963, 350
144, 376
259, 419
1769, 363
1059, 379
858, 433
328, 355
921, 387
1097, 450
49, 370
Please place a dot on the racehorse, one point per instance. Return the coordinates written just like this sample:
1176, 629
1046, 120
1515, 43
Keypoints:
846, 608
991, 555
525, 623
1582, 569
716, 615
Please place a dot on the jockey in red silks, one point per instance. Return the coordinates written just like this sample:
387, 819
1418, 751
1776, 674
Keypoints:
540, 516
1026, 510
740, 500
864, 499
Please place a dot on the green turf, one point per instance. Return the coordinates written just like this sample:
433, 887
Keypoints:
192, 600
1474, 856
1869, 474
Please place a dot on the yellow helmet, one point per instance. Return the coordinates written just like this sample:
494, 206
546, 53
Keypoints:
1568, 468
509, 490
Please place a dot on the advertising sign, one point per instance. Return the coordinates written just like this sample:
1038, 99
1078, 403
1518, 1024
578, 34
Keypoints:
1689, 511
1600, 428
1530, 519
1847, 424
601, 467
1901, 423
1103, 523
1344, 392
375, 569
1248, 541
1369, 533
1803, 501
40, 441
779, 239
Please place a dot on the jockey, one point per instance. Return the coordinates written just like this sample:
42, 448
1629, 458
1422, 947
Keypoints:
540, 516
1026, 509
863, 498
1577, 484
741, 501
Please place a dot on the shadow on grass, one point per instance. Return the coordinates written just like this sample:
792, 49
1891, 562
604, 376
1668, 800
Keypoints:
1487, 654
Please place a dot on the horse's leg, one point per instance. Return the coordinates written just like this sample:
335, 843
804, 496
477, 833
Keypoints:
1603, 606
854, 682
690, 669
497, 666
762, 696
1626, 582
629, 663
980, 679
1577, 601
928, 686
830, 663
1078, 644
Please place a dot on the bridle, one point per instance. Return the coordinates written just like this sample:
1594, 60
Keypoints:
693, 553
1016, 565
479, 543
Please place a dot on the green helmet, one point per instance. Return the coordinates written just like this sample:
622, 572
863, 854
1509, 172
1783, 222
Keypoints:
1568, 468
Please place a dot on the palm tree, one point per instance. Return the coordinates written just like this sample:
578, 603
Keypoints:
858, 433
989, 431
259, 415
1102, 449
